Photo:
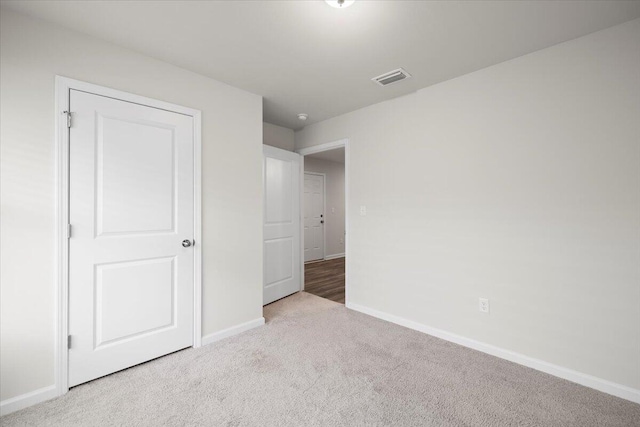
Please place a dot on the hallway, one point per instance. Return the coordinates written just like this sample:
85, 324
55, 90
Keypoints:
326, 279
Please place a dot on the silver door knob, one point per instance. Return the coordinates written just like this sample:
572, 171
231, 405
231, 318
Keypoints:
186, 243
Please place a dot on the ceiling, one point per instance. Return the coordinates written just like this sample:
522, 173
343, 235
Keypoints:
335, 155
307, 57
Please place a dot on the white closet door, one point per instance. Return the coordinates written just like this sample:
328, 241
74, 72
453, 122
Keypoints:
281, 223
131, 207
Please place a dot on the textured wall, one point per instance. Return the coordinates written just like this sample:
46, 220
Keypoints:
519, 183
32, 54
278, 136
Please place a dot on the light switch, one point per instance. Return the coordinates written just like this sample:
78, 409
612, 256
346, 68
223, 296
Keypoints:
363, 210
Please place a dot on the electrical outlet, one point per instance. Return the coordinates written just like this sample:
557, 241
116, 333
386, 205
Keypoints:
483, 305
363, 210
333, 210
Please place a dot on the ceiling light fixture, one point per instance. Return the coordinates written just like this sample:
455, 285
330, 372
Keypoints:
340, 4
303, 116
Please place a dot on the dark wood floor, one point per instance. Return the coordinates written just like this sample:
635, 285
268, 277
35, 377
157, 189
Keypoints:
325, 279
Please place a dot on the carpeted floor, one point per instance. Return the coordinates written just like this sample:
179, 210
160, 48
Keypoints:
316, 363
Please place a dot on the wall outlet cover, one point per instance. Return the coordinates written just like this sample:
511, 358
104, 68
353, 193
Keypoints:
483, 305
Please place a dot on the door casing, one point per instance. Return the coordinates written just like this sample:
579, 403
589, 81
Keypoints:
63, 85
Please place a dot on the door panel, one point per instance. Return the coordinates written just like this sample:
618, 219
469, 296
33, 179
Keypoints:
313, 217
131, 205
278, 191
123, 149
123, 306
278, 256
281, 171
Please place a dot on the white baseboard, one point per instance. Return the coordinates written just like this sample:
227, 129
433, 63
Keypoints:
14, 404
234, 330
334, 256
28, 399
590, 381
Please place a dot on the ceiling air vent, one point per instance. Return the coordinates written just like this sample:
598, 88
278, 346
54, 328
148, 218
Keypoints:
391, 77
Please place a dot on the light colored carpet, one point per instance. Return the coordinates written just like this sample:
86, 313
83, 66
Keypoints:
316, 363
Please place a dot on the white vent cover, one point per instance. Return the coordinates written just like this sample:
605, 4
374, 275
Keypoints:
391, 77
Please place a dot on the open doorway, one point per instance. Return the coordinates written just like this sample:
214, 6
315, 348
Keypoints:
324, 222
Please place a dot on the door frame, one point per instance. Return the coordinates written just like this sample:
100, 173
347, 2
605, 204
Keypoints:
340, 143
324, 211
63, 86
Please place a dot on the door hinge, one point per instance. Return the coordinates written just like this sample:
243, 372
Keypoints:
68, 231
68, 341
68, 114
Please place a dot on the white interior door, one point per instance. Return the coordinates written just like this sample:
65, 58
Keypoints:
281, 223
313, 217
131, 206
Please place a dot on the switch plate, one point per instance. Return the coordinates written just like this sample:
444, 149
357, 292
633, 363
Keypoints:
483, 305
363, 210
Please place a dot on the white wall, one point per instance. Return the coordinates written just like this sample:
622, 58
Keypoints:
334, 191
278, 136
32, 54
520, 183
